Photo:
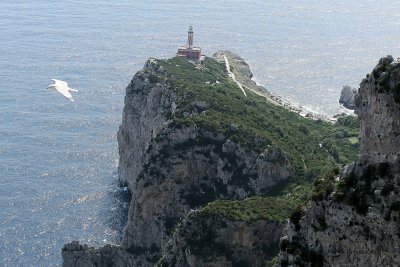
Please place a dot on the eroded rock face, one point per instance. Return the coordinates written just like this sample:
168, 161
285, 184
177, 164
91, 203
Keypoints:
187, 167
146, 102
378, 109
217, 241
360, 227
75, 254
333, 232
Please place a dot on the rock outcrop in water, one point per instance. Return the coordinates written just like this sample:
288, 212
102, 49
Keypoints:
200, 159
347, 97
356, 222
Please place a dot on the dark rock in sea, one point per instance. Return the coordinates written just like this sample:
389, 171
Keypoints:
347, 97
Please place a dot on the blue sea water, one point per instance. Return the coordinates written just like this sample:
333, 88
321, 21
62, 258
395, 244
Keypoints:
58, 159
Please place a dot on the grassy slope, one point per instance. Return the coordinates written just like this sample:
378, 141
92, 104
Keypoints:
314, 148
254, 208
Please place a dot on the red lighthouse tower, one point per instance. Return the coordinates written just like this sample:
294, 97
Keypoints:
189, 51
190, 37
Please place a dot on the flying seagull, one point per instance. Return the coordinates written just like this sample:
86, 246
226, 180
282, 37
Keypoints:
62, 88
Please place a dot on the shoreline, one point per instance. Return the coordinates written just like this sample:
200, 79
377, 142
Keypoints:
246, 82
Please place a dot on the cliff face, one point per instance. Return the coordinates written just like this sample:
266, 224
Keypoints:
358, 224
185, 169
142, 120
171, 168
189, 138
379, 114
75, 254
218, 241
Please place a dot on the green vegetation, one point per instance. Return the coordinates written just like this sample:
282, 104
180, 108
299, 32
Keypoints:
252, 209
349, 121
353, 140
325, 185
273, 262
314, 148
383, 75
310, 145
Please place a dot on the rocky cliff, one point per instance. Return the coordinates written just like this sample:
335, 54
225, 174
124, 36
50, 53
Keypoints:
378, 110
215, 240
186, 169
183, 167
355, 222
75, 254
190, 138
146, 102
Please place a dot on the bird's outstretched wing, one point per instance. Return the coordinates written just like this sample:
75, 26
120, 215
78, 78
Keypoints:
65, 92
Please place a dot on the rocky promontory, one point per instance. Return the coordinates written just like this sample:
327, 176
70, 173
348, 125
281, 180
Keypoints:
214, 173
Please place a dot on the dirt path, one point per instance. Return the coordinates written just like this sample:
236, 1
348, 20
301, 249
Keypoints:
228, 68
276, 100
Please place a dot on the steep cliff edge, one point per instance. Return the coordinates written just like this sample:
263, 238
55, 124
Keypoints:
354, 219
229, 233
190, 138
377, 106
143, 117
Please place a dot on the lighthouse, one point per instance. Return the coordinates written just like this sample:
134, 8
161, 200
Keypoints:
189, 51
190, 38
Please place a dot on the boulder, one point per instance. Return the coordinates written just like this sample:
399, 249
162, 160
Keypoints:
347, 97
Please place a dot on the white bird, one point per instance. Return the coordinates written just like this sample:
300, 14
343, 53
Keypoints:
62, 88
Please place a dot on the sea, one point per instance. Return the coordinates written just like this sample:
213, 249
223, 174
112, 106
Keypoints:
59, 159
